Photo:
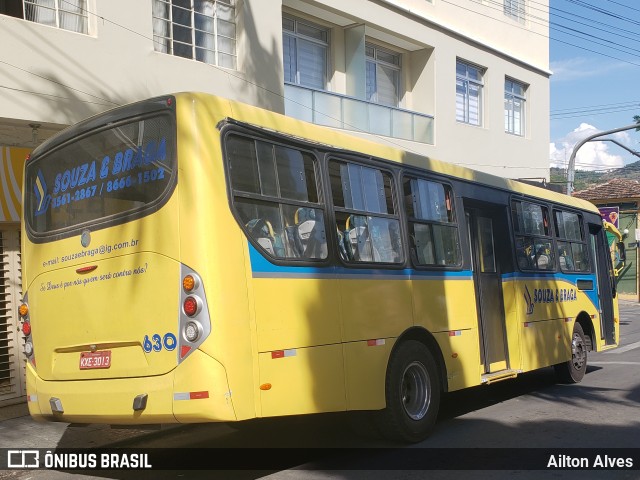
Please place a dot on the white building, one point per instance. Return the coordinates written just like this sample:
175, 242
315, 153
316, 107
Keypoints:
465, 81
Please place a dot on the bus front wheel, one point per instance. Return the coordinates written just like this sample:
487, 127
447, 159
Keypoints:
572, 371
412, 394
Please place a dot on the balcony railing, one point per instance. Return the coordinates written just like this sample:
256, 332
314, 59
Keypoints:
340, 111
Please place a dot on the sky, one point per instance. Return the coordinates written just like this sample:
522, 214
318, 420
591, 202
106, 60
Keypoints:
595, 59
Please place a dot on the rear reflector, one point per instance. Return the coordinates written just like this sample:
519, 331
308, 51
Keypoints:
190, 395
283, 353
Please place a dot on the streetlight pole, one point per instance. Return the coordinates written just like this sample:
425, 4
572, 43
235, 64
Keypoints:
571, 169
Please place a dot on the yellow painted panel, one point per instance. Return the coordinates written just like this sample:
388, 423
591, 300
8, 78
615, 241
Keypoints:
545, 343
366, 369
445, 305
462, 357
305, 380
513, 323
375, 308
71, 311
211, 378
295, 313
91, 401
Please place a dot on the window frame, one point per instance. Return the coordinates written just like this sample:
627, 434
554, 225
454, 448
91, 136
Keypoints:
57, 11
534, 237
516, 10
466, 80
511, 97
285, 142
412, 220
335, 210
165, 43
583, 241
296, 35
377, 63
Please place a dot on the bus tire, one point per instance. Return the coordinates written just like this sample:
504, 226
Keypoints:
573, 370
412, 391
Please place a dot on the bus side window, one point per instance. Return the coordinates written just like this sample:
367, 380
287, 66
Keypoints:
572, 245
433, 231
373, 233
534, 248
275, 195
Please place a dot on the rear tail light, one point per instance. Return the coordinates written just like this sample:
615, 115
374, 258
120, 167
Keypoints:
190, 283
191, 306
26, 328
23, 311
195, 324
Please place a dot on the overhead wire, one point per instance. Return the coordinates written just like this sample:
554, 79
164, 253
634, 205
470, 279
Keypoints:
539, 21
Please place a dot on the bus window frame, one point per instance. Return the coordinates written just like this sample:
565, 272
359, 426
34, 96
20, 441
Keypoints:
231, 128
550, 237
421, 176
584, 242
374, 163
107, 121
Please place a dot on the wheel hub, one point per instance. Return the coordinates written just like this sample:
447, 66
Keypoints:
416, 390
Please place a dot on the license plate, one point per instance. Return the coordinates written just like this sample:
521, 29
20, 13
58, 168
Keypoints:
89, 360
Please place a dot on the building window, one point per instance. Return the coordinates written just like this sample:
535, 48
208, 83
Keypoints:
515, 9
382, 76
305, 53
514, 103
66, 14
202, 30
469, 83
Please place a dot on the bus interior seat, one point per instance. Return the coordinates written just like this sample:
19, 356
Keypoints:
359, 240
310, 237
342, 247
262, 232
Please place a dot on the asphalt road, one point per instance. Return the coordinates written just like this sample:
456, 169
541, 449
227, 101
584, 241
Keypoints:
531, 411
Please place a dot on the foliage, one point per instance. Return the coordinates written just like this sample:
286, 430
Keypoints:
585, 179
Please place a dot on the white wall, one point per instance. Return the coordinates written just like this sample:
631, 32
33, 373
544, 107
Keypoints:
58, 77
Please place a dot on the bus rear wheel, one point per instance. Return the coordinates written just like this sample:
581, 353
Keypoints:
412, 394
572, 371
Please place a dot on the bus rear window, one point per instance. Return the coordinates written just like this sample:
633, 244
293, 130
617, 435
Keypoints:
105, 176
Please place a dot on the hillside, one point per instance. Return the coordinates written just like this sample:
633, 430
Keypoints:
585, 179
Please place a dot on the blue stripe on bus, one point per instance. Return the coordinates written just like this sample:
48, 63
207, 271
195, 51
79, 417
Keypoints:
263, 268
559, 276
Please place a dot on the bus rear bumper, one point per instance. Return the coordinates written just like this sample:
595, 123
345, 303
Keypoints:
195, 391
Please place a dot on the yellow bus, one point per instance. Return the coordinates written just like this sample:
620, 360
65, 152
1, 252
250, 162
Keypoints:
192, 259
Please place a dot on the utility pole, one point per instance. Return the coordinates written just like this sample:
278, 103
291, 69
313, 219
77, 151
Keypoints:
571, 169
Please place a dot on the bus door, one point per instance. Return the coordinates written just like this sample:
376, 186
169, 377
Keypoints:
483, 226
605, 279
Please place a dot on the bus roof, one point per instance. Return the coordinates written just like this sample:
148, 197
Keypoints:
328, 137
